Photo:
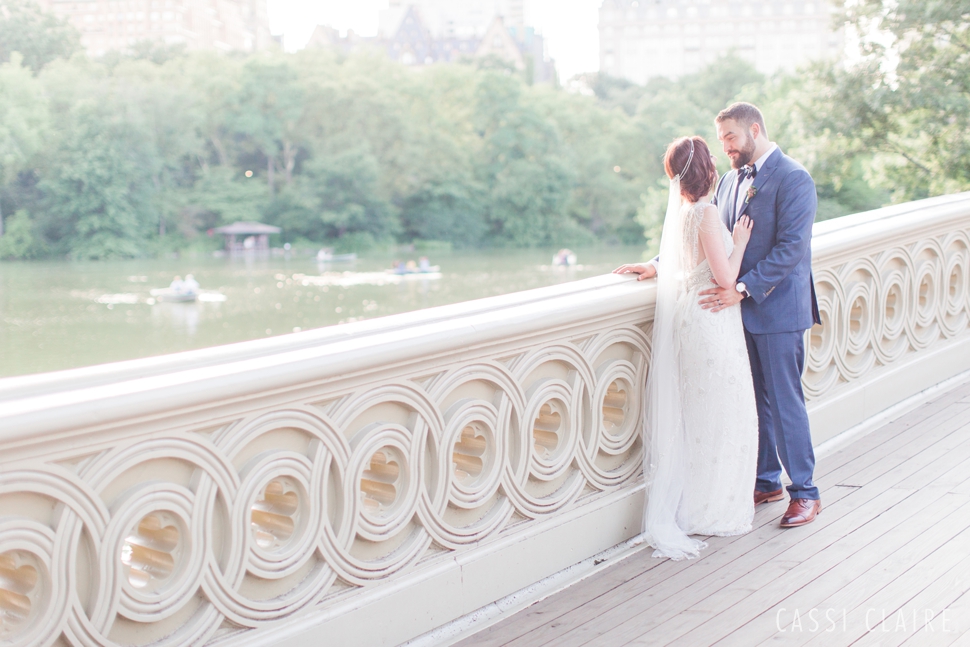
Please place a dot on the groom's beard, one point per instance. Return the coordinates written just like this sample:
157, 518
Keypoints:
744, 154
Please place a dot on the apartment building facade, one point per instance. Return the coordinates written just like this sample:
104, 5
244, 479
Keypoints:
642, 39
107, 25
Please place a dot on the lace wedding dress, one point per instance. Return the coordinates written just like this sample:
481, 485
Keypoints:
720, 415
702, 459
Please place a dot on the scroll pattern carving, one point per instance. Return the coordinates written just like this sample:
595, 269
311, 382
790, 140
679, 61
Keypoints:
187, 535
881, 306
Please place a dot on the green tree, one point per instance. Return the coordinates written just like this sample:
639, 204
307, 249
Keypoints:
907, 102
159, 103
613, 91
19, 241
98, 191
220, 195
24, 122
38, 36
721, 83
522, 167
347, 196
267, 111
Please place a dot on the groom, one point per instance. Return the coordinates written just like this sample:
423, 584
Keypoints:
777, 299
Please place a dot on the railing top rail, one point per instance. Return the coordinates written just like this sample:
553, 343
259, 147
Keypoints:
873, 228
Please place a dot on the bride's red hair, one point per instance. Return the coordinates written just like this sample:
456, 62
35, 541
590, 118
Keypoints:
699, 177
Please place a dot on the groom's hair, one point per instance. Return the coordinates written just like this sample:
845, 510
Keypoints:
743, 113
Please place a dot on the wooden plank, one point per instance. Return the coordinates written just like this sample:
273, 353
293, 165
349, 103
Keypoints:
734, 606
587, 591
945, 471
940, 454
889, 479
864, 574
922, 618
901, 446
962, 488
926, 416
740, 577
955, 477
662, 571
670, 576
564, 602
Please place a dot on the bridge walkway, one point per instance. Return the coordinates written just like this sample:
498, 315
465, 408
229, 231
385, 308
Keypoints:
887, 562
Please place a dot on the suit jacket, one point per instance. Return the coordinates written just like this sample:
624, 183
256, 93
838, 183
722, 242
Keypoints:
777, 264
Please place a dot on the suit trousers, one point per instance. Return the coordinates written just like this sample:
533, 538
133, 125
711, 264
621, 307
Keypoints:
777, 360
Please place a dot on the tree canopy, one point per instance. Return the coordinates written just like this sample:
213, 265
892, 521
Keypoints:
134, 154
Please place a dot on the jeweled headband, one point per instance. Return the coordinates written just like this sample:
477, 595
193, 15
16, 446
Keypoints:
689, 158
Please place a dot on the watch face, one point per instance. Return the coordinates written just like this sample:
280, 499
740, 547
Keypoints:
741, 287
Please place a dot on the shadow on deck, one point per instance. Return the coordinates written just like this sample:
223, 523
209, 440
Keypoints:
887, 562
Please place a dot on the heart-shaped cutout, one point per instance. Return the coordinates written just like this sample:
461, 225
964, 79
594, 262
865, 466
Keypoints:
545, 430
17, 582
149, 551
467, 456
272, 518
379, 482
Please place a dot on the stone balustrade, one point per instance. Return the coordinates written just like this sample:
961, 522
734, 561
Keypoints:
362, 484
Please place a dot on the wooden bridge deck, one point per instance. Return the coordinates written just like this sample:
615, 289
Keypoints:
887, 562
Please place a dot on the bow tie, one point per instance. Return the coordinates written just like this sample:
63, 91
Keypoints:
746, 172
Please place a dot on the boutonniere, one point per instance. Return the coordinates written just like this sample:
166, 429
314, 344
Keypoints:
752, 191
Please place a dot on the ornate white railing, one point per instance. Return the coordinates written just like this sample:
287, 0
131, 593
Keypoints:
362, 484
894, 293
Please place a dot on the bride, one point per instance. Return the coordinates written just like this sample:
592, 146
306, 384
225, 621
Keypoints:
700, 420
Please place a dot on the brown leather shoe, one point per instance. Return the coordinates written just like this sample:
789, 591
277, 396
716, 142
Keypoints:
800, 512
767, 497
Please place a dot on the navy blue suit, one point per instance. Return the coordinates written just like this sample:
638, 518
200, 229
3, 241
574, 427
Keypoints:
777, 271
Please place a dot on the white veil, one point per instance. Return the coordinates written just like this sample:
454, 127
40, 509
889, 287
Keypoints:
665, 451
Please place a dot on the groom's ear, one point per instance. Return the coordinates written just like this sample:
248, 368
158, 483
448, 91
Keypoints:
755, 130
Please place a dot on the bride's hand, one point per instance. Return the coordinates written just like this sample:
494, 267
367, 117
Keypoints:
645, 270
742, 231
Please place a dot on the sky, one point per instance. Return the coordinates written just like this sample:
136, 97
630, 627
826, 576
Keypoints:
569, 26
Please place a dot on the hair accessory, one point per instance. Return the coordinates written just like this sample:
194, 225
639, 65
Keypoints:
689, 158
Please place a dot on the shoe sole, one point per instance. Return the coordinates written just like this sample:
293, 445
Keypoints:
777, 497
802, 523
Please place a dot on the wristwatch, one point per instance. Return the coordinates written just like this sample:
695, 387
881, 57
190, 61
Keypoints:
742, 288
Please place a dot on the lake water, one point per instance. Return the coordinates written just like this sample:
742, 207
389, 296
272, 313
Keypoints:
59, 315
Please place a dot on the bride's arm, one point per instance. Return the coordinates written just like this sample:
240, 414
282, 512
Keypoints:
725, 269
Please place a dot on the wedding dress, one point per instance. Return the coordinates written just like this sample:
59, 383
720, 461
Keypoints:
700, 418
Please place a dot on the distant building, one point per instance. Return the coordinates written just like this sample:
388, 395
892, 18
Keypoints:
198, 24
455, 18
641, 39
406, 37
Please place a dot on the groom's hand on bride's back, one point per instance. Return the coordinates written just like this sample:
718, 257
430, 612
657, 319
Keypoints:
644, 270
